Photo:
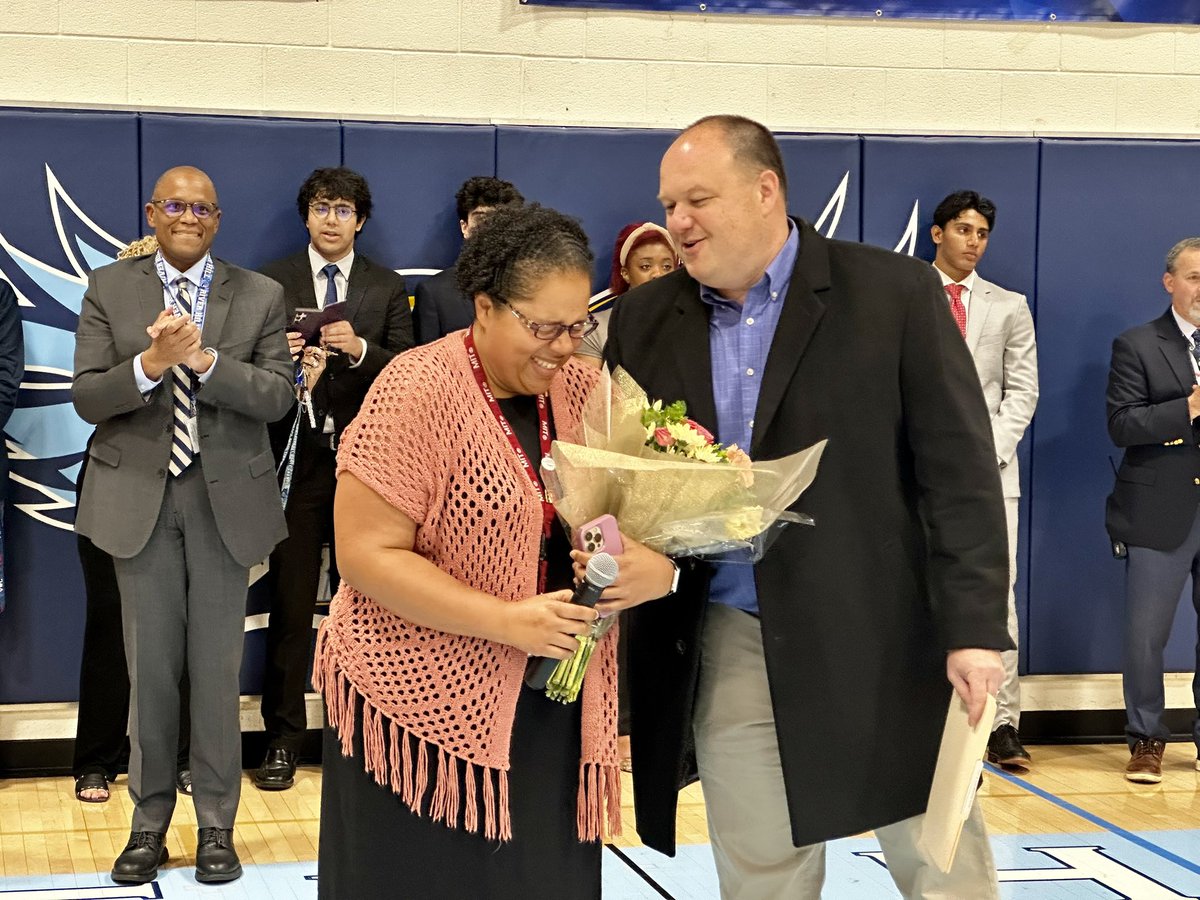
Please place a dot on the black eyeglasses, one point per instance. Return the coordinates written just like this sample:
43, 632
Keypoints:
175, 207
341, 210
549, 331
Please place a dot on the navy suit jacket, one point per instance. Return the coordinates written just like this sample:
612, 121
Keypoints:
1153, 502
441, 307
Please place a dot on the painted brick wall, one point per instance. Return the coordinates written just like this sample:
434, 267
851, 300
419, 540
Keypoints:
500, 61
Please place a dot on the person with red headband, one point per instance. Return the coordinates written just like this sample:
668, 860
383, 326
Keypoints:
643, 251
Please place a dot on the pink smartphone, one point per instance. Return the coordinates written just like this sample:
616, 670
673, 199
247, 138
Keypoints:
599, 534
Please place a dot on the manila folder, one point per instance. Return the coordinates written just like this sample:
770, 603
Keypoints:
955, 780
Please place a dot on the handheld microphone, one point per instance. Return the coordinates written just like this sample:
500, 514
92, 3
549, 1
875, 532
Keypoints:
600, 573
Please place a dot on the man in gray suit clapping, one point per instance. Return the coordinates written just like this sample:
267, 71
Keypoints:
180, 363
998, 329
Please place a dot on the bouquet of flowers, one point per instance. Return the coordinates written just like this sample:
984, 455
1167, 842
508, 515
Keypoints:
671, 486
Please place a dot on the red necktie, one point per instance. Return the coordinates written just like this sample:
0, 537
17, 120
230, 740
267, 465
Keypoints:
957, 308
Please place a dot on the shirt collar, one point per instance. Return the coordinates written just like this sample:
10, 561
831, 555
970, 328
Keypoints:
193, 275
318, 262
967, 283
776, 277
1183, 325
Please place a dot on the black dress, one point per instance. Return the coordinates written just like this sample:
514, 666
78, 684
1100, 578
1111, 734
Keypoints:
374, 846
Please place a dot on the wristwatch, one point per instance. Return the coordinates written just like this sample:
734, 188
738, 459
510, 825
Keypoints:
674, 578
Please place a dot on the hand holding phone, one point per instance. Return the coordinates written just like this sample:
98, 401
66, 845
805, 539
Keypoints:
599, 535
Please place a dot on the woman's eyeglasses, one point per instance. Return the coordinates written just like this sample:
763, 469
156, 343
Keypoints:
549, 331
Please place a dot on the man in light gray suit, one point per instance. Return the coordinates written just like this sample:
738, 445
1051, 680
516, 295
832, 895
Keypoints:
998, 329
180, 363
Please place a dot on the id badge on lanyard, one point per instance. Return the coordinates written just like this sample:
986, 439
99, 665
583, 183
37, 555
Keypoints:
199, 311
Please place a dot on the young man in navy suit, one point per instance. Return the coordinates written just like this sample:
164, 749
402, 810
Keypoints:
440, 306
334, 205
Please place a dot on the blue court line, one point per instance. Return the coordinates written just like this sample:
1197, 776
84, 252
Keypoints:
1096, 820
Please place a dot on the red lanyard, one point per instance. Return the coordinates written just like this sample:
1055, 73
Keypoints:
543, 440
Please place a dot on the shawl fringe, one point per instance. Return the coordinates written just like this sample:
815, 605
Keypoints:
390, 762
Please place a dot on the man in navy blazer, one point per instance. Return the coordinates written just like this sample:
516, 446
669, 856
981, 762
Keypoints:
440, 307
334, 205
1154, 509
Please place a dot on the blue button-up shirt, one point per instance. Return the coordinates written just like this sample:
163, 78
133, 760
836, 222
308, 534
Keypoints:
739, 338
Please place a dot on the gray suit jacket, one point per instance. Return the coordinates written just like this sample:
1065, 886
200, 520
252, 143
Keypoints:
1001, 340
250, 386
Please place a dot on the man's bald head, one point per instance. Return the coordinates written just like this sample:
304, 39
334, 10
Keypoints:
751, 144
184, 237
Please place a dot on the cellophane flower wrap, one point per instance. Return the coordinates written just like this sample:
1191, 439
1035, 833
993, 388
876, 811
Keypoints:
666, 481
670, 486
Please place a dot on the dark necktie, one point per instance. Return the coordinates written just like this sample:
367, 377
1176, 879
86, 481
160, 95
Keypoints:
956, 307
330, 284
1196, 346
182, 451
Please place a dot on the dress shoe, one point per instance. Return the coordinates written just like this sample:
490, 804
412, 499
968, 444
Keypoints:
139, 861
278, 770
1005, 750
1145, 761
183, 781
216, 860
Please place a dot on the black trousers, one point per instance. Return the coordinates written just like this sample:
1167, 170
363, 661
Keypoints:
101, 744
295, 575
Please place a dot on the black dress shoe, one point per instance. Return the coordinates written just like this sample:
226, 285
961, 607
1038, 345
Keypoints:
278, 770
183, 781
139, 861
1005, 750
216, 860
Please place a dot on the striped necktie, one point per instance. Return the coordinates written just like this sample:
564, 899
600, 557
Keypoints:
1196, 346
182, 451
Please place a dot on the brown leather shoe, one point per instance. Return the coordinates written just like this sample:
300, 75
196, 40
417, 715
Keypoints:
1145, 762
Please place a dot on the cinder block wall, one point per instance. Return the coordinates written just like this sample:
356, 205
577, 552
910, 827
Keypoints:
501, 61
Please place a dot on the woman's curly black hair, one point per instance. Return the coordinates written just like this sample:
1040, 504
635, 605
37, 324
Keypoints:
513, 248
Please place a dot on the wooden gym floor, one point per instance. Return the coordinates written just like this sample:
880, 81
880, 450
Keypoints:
1073, 828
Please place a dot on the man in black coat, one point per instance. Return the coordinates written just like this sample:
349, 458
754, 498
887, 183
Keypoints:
375, 325
1153, 407
813, 684
440, 307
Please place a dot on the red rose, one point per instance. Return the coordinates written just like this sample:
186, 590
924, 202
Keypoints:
663, 438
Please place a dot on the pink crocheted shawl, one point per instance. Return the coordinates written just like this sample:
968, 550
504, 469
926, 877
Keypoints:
427, 443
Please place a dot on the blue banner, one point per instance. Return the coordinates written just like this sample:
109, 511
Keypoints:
1167, 11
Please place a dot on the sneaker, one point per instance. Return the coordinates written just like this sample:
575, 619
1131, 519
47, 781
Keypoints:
1005, 750
1145, 761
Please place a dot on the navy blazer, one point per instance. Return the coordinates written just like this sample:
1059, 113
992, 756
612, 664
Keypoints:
376, 306
441, 307
1157, 488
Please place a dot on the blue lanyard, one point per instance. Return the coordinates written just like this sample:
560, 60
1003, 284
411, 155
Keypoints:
200, 304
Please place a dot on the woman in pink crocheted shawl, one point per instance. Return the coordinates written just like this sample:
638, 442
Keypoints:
444, 776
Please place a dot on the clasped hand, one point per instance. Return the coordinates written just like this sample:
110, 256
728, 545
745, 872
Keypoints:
644, 574
174, 341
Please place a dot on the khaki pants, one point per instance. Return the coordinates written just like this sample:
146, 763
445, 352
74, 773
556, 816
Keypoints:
748, 822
